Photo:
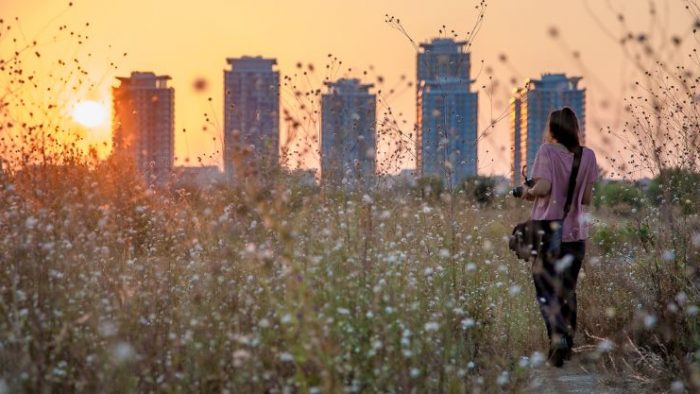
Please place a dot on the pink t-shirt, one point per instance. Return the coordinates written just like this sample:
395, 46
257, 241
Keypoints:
553, 163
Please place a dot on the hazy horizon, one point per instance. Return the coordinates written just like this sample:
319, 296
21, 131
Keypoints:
191, 43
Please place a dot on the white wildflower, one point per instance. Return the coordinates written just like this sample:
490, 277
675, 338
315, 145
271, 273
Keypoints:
523, 362
563, 263
31, 222
536, 359
649, 321
286, 319
468, 323
123, 352
240, 356
681, 298
286, 357
696, 240
605, 346
668, 255
585, 218
107, 329
58, 372
502, 378
677, 386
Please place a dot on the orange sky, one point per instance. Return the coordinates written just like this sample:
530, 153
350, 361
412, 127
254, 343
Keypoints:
190, 40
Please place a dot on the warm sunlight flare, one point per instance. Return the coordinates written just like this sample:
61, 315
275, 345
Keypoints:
90, 114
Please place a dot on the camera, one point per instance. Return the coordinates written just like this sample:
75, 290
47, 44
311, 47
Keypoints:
519, 190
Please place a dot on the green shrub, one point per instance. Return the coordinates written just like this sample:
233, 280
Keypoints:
429, 186
617, 194
481, 188
608, 238
677, 185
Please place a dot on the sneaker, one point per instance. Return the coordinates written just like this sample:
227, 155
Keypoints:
557, 359
557, 353
568, 353
569, 348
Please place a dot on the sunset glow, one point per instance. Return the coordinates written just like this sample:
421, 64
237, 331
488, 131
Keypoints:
307, 32
90, 114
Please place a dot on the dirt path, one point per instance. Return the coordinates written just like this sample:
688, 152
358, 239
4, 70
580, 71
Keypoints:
577, 376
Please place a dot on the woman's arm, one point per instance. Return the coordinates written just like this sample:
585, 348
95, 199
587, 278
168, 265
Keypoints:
541, 175
541, 188
587, 195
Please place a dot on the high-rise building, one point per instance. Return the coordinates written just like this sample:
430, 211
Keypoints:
530, 108
251, 113
143, 129
446, 141
348, 139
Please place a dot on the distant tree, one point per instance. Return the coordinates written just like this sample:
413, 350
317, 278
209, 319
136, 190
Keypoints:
681, 188
617, 194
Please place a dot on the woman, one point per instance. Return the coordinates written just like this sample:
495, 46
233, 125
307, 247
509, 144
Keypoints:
555, 278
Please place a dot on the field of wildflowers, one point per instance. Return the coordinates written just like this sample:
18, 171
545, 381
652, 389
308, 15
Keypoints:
122, 287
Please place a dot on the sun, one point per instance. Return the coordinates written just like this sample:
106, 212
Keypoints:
90, 114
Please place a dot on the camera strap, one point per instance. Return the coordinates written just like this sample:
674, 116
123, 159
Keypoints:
572, 180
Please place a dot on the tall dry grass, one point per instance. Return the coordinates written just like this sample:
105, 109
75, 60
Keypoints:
108, 285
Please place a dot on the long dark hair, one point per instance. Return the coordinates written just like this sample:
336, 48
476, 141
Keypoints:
563, 124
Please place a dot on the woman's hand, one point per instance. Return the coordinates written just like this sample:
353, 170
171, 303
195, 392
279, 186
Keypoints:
541, 188
527, 193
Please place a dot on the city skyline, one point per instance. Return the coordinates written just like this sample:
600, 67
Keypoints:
143, 124
583, 48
